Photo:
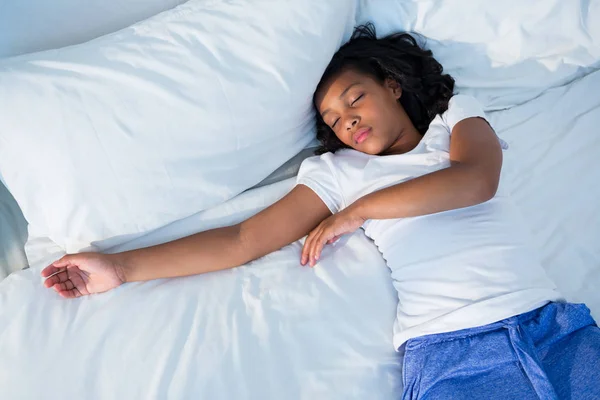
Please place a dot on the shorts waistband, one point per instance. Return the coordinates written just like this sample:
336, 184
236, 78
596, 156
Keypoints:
551, 307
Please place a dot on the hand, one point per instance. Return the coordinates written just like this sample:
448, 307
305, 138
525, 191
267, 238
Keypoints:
78, 275
328, 232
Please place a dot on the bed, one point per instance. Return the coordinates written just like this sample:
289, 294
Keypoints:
272, 329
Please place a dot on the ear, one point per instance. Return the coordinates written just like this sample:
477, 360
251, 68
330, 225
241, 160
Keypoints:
394, 87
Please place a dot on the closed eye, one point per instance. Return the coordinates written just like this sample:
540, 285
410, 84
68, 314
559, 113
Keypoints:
357, 99
334, 123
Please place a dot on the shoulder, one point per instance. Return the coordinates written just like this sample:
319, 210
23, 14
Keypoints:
319, 167
319, 173
462, 107
334, 161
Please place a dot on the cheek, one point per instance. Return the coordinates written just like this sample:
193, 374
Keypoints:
379, 109
388, 113
344, 140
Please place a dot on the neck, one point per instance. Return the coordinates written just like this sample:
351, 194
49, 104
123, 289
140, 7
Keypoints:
406, 141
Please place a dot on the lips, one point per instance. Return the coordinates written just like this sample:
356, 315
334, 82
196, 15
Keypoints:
361, 135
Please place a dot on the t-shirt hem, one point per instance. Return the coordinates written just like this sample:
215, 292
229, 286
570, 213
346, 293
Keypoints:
486, 317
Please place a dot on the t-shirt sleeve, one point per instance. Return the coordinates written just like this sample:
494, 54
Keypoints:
462, 107
316, 173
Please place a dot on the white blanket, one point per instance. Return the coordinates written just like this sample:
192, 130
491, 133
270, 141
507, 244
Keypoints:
273, 329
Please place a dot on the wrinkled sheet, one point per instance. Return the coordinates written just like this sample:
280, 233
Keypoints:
506, 52
274, 329
13, 234
270, 329
551, 170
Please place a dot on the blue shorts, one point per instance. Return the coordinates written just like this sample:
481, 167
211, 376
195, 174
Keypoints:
549, 353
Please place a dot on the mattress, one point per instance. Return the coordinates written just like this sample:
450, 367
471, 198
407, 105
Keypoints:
274, 329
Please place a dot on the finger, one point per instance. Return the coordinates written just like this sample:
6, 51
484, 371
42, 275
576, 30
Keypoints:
60, 286
57, 265
333, 239
306, 248
64, 261
49, 270
309, 250
319, 246
67, 285
58, 277
52, 270
318, 243
303, 253
53, 280
69, 294
78, 281
314, 249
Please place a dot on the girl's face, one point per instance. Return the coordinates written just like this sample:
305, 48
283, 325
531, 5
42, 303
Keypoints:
366, 115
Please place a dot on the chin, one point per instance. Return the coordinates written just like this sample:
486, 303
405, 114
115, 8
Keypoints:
372, 150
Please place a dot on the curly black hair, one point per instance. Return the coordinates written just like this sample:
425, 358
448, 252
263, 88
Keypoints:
425, 90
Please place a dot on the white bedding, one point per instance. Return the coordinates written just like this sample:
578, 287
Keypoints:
270, 329
13, 234
34, 25
154, 123
273, 329
552, 172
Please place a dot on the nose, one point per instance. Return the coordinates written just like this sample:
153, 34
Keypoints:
351, 122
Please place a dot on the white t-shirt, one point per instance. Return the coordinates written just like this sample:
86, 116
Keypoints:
452, 270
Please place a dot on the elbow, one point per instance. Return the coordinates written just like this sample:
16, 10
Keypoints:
242, 249
488, 192
485, 189
248, 246
482, 186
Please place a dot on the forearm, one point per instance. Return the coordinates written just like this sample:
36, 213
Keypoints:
208, 251
447, 189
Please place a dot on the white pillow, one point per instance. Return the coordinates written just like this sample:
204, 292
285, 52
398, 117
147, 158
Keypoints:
35, 25
134, 130
503, 52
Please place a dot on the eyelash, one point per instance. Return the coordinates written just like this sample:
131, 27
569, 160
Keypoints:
357, 99
351, 104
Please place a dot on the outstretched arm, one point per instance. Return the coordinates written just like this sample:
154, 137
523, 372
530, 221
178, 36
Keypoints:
282, 223
472, 178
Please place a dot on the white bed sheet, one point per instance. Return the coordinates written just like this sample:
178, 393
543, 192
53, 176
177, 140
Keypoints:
551, 170
270, 329
273, 329
13, 234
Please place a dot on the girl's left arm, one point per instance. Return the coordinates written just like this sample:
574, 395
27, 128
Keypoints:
472, 178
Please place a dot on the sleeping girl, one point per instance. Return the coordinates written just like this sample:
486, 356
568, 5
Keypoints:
418, 169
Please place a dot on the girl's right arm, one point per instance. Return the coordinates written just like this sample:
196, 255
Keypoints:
284, 222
